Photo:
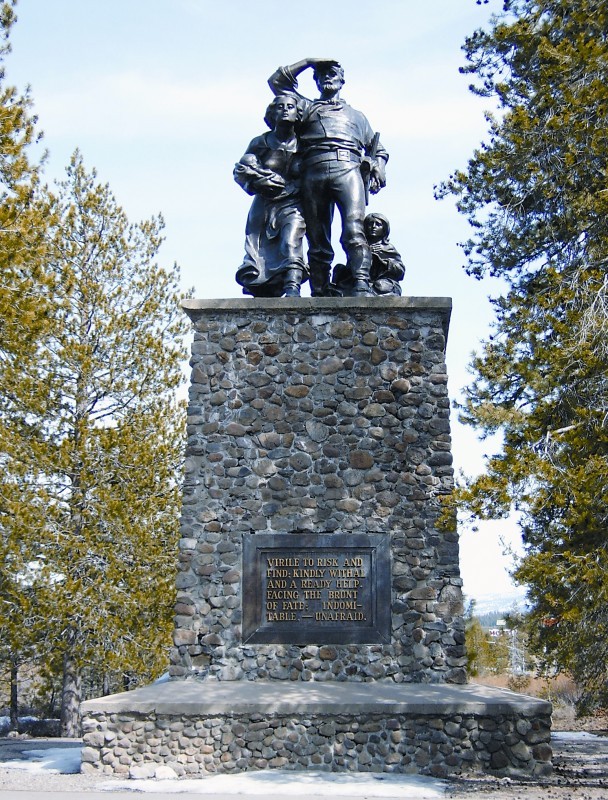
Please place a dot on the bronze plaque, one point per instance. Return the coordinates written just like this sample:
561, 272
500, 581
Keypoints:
316, 589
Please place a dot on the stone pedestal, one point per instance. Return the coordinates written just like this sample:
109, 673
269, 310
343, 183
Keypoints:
318, 418
318, 597
203, 727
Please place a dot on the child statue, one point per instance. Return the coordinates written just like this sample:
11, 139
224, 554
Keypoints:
387, 268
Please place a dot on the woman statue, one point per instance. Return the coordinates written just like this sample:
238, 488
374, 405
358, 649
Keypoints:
274, 261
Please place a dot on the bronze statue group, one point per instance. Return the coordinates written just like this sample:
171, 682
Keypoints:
317, 155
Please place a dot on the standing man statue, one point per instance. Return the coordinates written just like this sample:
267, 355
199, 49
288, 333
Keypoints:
334, 141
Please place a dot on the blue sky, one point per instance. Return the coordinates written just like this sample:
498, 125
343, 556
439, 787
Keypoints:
163, 96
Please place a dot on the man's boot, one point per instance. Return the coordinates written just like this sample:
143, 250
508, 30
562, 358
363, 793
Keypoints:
293, 281
360, 262
361, 289
361, 286
319, 280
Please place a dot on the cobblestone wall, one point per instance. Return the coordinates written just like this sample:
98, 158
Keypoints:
161, 746
326, 416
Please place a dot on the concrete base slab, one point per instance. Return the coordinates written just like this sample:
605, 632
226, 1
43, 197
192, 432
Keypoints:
203, 727
193, 697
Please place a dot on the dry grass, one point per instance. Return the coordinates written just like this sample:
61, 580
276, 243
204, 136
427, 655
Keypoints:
558, 689
561, 691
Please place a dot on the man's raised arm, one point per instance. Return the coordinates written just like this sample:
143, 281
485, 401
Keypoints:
285, 79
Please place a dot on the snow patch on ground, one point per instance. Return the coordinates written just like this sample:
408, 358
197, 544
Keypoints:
573, 736
294, 784
54, 760
6, 721
66, 760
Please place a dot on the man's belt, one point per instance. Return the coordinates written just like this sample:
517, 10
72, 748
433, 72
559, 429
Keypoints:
334, 154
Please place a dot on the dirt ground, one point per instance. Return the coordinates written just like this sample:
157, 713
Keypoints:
580, 767
580, 770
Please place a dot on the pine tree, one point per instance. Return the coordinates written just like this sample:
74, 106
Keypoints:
109, 440
26, 289
24, 285
536, 195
